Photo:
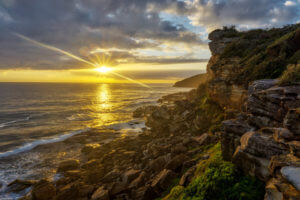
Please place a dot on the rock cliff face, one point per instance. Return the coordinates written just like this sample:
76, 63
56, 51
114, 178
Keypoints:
265, 140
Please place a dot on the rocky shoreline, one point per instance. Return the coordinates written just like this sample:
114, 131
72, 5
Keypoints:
234, 137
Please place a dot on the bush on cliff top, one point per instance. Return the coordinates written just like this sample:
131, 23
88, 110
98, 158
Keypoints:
264, 53
216, 179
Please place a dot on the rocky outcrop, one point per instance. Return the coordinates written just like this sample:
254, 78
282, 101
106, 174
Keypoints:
264, 140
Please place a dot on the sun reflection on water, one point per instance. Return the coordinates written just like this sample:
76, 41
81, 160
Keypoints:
104, 97
103, 106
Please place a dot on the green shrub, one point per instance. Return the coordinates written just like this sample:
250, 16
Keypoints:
216, 179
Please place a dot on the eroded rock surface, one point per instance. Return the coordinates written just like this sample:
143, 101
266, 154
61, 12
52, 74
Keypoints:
264, 142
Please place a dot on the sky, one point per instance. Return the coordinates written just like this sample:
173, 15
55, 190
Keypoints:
147, 40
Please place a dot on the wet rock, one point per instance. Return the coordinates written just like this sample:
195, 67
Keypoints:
162, 181
43, 190
292, 175
19, 185
67, 165
100, 194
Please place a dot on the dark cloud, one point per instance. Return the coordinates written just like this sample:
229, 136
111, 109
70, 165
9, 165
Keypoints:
80, 26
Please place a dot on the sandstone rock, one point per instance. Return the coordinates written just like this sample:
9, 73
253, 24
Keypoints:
260, 145
205, 139
71, 164
292, 175
159, 163
272, 193
282, 134
255, 166
43, 190
91, 164
260, 85
100, 194
176, 163
114, 175
139, 181
187, 177
162, 181
277, 162
292, 121
130, 175
118, 187
295, 148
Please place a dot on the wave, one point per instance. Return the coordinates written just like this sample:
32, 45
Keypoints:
5, 124
32, 145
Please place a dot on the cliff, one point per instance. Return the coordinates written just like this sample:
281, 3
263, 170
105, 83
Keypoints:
192, 82
237, 136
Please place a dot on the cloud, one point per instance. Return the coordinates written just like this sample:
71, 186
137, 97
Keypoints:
247, 13
129, 26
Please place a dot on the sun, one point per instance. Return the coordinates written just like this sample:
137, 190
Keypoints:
103, 69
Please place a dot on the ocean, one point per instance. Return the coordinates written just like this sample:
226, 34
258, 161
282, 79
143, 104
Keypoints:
35, 114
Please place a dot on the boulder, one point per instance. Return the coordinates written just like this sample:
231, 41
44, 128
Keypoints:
67, 165
261, 145
205, 139
100, 194
176, 163
139, 181
292, 175
272, 192
130, 175
186, 178
292, 121
43, 190
163, 180
159, 163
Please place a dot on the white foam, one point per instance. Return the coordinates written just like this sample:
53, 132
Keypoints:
134, 126
14, 121
31, 145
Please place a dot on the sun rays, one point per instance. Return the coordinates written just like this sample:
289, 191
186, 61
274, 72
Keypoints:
96, 61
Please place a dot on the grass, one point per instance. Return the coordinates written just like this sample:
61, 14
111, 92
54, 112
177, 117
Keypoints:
291, 75
216, 179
